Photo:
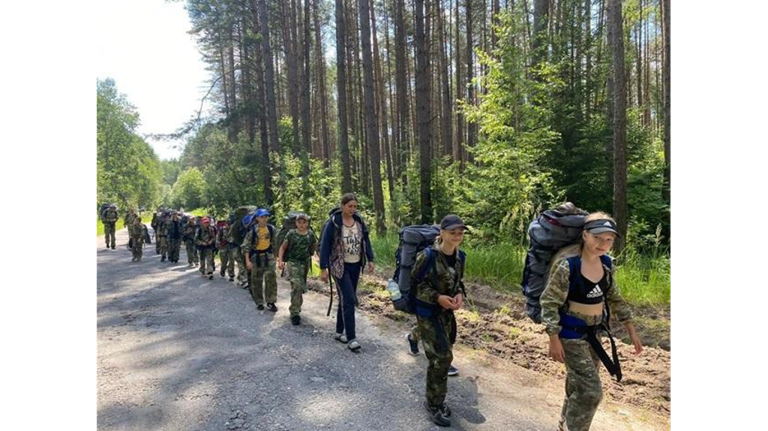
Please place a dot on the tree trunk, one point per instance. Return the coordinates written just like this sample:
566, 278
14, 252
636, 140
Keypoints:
323, 99
401, 63
341, 99
372, 133
616, 36
458, 148
666, 61
269, 90
446, 115
423, 112
540, 22
382, 103
471, 126
306, 118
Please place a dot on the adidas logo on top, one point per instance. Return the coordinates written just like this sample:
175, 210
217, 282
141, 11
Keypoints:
596, 292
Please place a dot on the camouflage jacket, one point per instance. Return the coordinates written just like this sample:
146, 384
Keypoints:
110, 216
162, 227
128, 220
205, 237
449, 279
249, 243
135, 230
221, 238
189, 232
300, 247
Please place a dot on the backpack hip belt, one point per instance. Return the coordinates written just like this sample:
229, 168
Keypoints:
575, 328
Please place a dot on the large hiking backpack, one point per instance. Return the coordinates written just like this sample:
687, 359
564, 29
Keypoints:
549, 232
247, 221
289, 222
237, 230
413, 239
102, 211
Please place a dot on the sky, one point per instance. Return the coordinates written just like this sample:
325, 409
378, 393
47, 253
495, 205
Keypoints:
144, 46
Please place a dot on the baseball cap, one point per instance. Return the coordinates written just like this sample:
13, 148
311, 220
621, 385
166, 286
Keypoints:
452, 221
601, 226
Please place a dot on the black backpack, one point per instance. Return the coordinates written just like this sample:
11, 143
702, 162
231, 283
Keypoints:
414, 239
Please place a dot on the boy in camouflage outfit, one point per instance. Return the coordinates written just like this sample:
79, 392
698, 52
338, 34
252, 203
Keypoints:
298, 247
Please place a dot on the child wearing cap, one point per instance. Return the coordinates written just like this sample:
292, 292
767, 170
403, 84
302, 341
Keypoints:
295, 257
438, 295
572, 308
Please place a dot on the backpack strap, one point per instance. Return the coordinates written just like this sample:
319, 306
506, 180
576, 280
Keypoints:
429, 265
425, 309
574, 271
608, 262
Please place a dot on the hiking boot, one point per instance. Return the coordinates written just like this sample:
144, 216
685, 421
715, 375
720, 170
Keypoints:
162, 259
340, 338
113, 247
271, 307
231, 278
210, 276
296, 320
260, 307
437, 415
222, 274
446, 410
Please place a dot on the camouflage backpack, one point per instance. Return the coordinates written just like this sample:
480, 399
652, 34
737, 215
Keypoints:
237, 230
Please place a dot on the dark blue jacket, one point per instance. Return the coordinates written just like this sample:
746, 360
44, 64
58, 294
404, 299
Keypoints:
332, 234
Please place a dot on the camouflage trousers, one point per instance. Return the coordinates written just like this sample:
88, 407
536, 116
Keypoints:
437, 334
206, 261
174, 247
162, 245
109, 234
583, 390
137, 247
236, 255
191, 252
263, 270
296, 273
415, 333
227, 261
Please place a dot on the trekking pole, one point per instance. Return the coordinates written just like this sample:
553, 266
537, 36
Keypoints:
330, 284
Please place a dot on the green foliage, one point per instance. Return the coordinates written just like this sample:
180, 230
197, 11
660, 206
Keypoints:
128, 170
189, 189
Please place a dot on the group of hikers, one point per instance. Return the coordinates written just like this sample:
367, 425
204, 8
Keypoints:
574, 302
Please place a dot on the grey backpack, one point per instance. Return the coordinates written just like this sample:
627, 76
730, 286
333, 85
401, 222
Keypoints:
549, 232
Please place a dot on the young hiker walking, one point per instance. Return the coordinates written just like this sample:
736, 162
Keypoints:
295, 257
259, 248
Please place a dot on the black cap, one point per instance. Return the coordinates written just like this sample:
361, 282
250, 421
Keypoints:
601, 226
452, 221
